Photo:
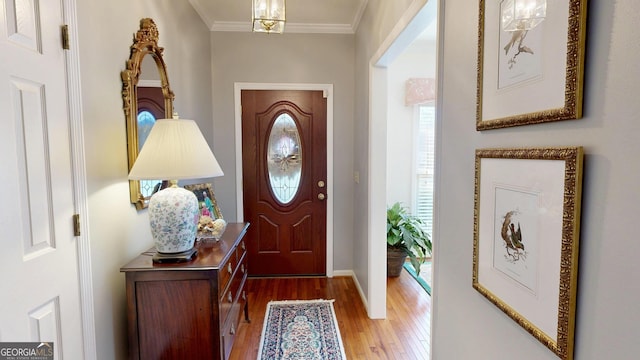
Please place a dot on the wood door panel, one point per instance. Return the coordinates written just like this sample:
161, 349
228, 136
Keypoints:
151, 99
290, 236
268, 235
301, 235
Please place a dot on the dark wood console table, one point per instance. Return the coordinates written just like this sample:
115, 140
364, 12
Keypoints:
188, 310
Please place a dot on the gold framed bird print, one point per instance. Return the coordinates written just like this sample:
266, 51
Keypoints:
526, 236
530, 62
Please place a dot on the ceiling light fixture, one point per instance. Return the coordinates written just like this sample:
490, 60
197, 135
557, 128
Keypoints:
522, 14
268, 16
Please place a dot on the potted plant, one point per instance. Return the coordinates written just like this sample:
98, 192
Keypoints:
405, 238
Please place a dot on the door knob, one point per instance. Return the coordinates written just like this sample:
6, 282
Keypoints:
320, 184
321, 196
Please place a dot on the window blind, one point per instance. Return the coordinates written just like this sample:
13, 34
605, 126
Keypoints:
424, 165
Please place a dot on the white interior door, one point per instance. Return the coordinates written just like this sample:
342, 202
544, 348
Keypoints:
40, 298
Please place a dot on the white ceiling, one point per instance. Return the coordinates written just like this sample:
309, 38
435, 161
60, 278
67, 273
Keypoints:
303, 16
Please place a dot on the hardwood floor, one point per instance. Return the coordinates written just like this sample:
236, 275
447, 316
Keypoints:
403, 335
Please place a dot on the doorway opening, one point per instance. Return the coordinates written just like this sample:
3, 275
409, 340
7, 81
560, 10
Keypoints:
394, 114
411, 89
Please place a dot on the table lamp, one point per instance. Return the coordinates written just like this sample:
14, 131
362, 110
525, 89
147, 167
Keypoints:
176, 150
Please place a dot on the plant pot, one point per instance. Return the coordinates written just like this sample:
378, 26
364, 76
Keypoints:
395, 260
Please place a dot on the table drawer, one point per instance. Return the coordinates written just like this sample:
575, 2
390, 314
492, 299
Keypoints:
231, 325
226, 271
241, 250
230, 296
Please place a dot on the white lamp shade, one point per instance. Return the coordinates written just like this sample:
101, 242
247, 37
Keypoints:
175, 149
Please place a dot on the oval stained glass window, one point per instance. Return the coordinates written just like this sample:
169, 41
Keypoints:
146, 120
284, 160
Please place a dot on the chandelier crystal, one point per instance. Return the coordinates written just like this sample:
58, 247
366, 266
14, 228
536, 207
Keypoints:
522, 14
268, 16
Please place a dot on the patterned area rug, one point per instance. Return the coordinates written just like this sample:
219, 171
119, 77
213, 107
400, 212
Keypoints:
301, 330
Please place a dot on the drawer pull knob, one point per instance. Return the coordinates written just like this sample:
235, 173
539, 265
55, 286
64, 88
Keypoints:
232, 331
229, 297
229, 269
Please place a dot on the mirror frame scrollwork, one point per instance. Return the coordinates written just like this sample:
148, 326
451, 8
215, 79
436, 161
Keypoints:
145, 42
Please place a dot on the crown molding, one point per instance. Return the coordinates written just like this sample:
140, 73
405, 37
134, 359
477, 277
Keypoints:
358, 16
243, 26
202, 13
300, 28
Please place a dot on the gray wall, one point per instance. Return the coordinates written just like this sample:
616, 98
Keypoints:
117, 231
377, 22
287, 58
466, 325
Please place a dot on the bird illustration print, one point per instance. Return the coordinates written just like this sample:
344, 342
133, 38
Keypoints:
516, 42
512, 238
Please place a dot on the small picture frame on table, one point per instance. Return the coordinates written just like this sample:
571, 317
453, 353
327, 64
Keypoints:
206, 200
211, 224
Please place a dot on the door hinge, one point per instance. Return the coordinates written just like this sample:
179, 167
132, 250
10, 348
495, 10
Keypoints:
76, 224
65, 36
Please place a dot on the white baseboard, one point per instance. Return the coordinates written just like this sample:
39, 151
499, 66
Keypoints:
356, 282
343, 273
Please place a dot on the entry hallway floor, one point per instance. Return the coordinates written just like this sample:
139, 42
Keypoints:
403, 335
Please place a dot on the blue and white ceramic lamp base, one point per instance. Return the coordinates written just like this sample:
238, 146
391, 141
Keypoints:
173, 216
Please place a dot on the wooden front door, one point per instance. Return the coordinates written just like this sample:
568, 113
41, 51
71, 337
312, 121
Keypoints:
284, 165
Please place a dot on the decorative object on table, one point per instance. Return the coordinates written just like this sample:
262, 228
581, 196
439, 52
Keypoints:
405, 238
208, 228
211, 224
268, 16
301, 329
526, 231
530, 62
175, 149
145, 47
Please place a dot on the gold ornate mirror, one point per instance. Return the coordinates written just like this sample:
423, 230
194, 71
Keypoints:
142, 110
